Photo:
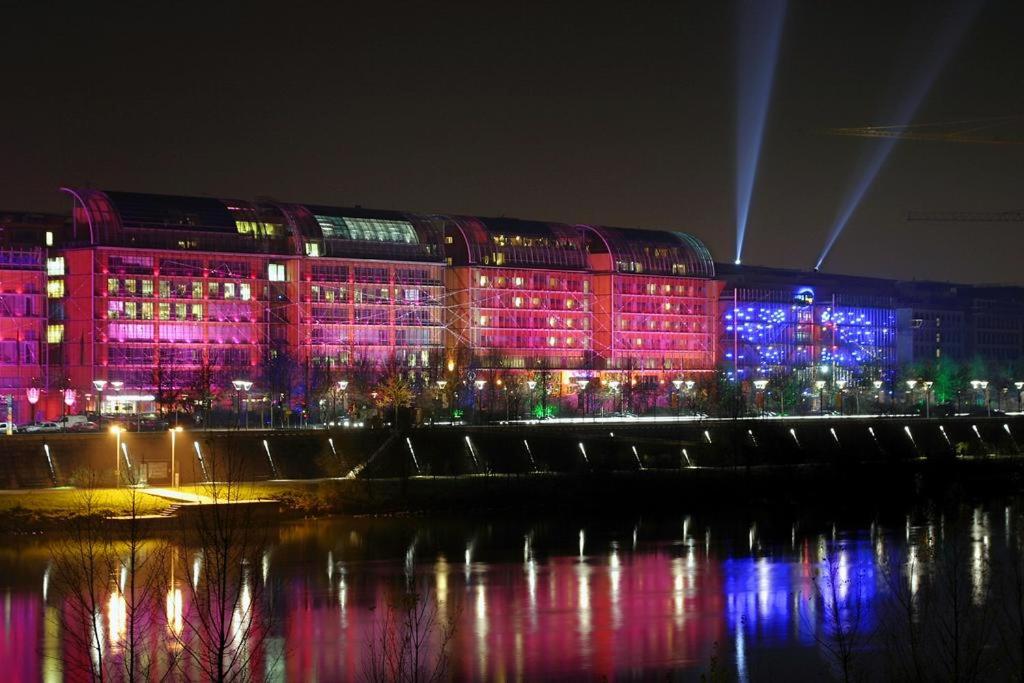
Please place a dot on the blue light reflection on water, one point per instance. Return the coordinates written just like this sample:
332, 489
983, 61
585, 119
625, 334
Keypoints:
530, 604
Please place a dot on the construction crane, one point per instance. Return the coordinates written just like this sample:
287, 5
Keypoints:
967, 216
950, 131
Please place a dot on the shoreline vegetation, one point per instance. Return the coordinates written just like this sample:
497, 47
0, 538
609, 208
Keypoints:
850, 485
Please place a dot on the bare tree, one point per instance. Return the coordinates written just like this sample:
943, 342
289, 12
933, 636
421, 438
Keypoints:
410, 640
838, 593
224, 629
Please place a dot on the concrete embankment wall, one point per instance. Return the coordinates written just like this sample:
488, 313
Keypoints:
512, 449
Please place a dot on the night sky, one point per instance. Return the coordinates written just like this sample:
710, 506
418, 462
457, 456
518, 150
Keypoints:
622, 115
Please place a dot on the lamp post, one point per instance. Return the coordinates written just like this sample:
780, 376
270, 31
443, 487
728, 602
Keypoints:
980, 385
240, 385
174, 470
116, 431
1020, 394
911, 383
877, 384
480, 384
678, 383
582, 383
100, 385
343, 388
928, 398
820, 386
441, 384
759, 386
841, 386
531, 385
690, 384
614, 384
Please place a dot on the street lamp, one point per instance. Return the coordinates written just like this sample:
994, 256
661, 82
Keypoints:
1020, 388
982, 385
759, 386
678, 383
100, 385
441, 384
820, 386
841, 385
928, 398
480, 384
241, 385
531, 384
174, 473
343, 388
116, 431
582, 383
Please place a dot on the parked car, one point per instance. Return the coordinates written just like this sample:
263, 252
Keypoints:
37, 427
86, 426
3, 428
68, 422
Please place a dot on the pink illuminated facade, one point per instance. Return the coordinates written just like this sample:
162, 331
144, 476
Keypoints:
162, 298
30, 285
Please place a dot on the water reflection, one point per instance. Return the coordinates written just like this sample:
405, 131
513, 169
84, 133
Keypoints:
532, 600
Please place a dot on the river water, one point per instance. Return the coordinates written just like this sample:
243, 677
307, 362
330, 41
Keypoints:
749, 596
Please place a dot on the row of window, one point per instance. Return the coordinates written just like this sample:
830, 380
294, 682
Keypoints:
654, 343
490, 299
489, 339
533, 321
179, 289
534, 281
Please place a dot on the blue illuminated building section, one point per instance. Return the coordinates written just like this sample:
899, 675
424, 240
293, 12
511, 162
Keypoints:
773, 333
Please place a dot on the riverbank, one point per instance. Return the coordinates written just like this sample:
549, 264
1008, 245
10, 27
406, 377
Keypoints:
836, 485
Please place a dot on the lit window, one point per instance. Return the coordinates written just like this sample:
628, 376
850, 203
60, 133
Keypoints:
276, 272
112, 285
229, 290
483, 320
517, 302
312, 249
483, 280
55, 334
55, 265
518, 282
49, 238
147, 310
245, 291
551, 341
164, 311
147, 288
55, 289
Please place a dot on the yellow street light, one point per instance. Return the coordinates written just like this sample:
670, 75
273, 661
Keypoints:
116, 431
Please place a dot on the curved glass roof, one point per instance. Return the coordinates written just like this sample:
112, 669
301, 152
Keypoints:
651, 252
512, 242
227, 225
132, 219
362, 233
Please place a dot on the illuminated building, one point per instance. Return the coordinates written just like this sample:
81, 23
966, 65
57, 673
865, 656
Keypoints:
811, 327
163, 295
167, 295
143, 300
26, 297
587, 300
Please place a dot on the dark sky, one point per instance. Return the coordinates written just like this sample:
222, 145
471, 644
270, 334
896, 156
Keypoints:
622, 115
